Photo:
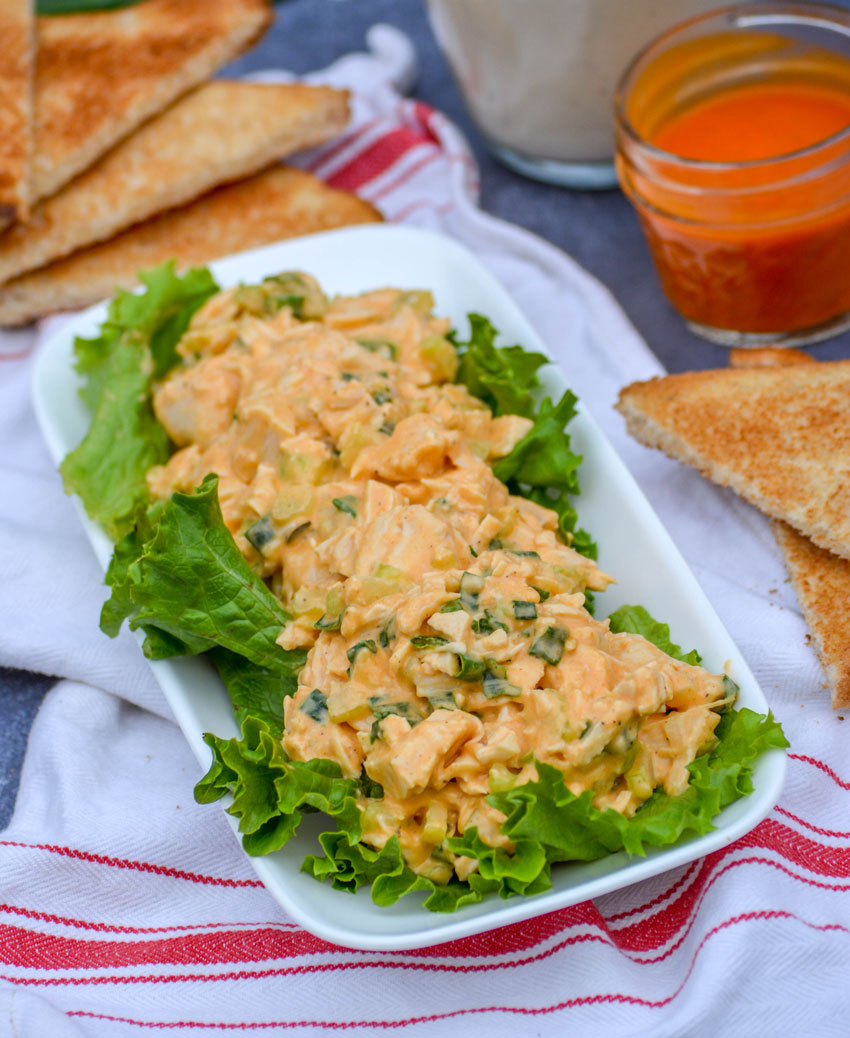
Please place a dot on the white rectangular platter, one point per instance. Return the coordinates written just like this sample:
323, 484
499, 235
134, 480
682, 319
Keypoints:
633, 546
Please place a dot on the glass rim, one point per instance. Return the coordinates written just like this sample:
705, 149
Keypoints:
779, 12
789, 220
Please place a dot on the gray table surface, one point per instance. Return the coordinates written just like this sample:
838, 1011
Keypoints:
598, 229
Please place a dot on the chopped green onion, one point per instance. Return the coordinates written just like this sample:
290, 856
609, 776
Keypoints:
454, 606
387, 634
550, 645
525, 610
487, 624
428, 641
316, 706
471, 585
386, 349
382, 396
494, 682
298, 530
346, 504
381, 709
295, 304
368, 644
524, 554
328, 623
387, 428
495, 544
369, 787
261, 533
442, 700
544, 594
470, 668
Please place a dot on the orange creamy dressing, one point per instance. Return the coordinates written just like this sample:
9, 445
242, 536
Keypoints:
756, 121
354, 475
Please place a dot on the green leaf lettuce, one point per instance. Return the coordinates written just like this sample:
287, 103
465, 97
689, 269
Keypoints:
136, 345
541, 466
180, 576
636, 620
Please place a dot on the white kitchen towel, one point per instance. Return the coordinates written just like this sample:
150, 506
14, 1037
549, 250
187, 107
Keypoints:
125, 907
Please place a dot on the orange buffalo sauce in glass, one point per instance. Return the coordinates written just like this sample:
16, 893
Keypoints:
756, 121
734, 146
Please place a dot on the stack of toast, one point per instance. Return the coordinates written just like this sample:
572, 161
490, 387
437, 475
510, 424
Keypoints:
775, 428
117, 150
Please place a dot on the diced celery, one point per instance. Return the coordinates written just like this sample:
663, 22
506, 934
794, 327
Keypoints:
386, 572
438, 872
439, 354
334, 601
345, 704
376, 817
296, 467
501, 779
444, 558
639, 780
355, 439
623, 741
308, 599
421, 300
436, 822
293, 500
373, 588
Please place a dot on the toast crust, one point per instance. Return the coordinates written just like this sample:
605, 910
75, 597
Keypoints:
16, 62
779, 437
221, 132
279, 203
100, 75
821, 581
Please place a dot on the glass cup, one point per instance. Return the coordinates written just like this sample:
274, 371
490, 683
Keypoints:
757, 250
538, 76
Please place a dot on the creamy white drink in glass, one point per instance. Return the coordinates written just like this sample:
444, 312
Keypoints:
538, 76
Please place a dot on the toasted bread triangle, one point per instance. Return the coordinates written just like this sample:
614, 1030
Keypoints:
16, 65
221, 132
778, 437
279, 203
821, 581
99, 75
